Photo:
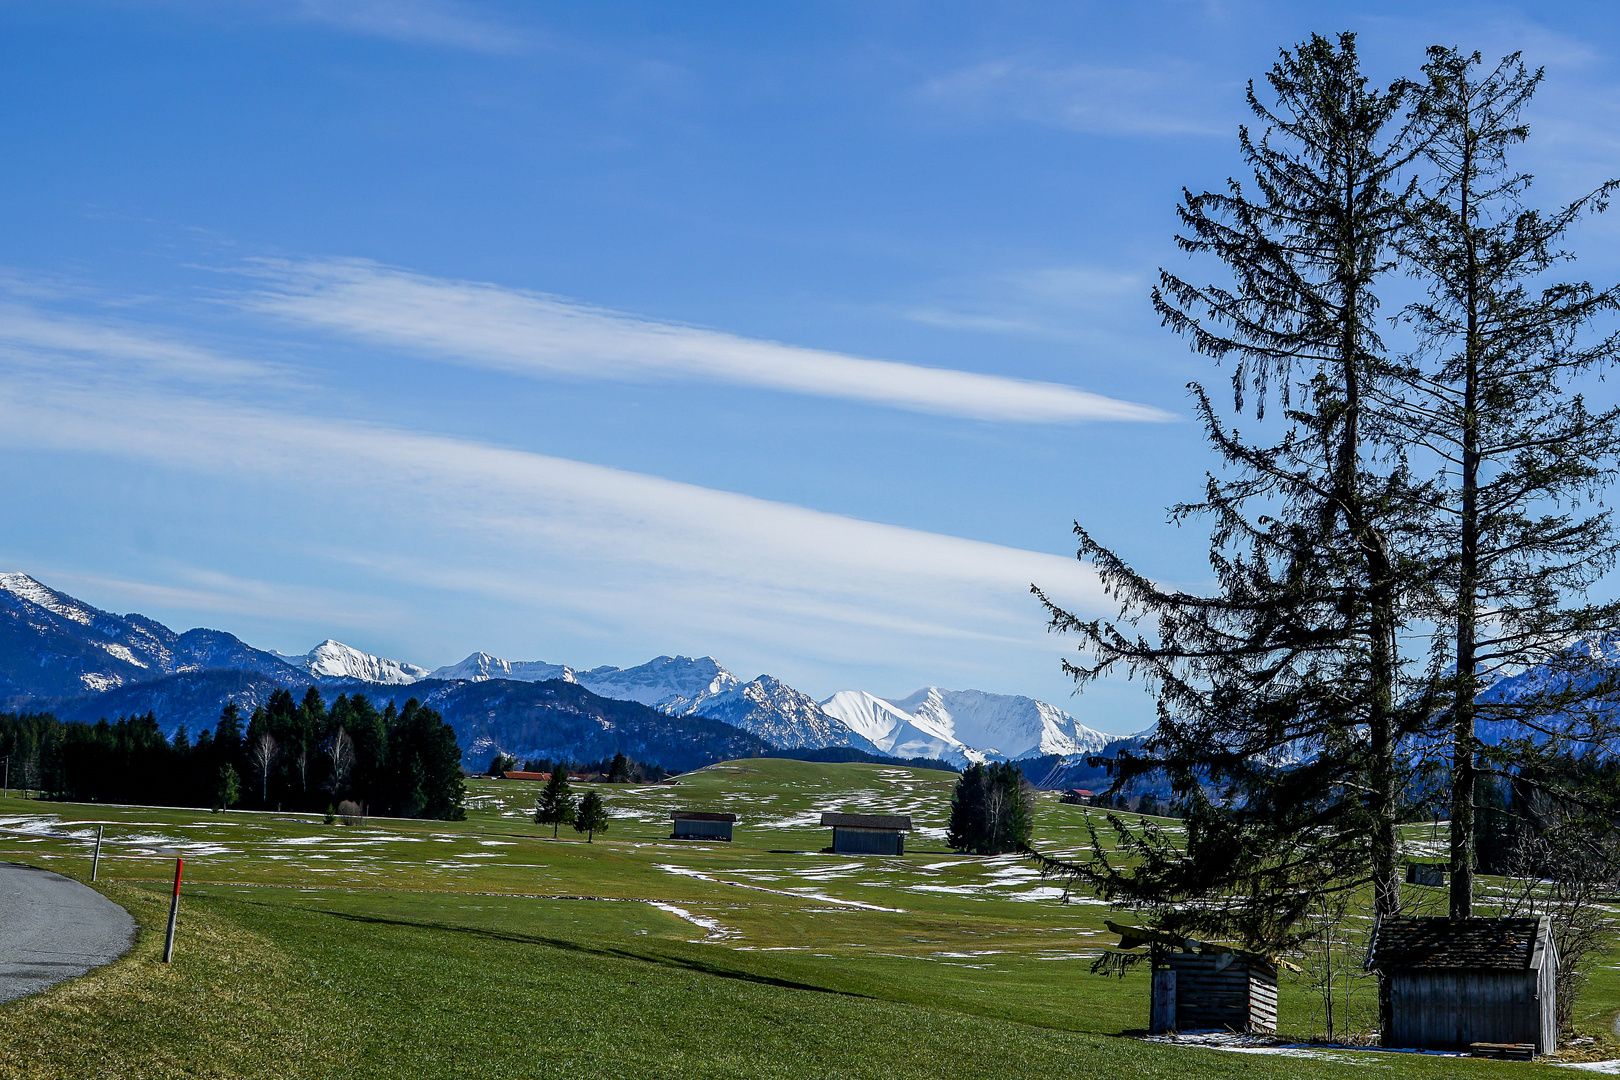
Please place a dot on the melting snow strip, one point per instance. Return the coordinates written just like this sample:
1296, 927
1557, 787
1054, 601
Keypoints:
716, 932
806, 894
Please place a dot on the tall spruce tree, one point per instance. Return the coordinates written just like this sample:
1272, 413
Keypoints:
1283, 699
556, 804
1487, 392
592, 816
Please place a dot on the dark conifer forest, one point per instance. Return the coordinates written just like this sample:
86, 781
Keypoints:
287, 755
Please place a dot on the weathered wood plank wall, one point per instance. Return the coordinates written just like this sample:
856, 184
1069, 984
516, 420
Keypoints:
1441, 1009
1237, 995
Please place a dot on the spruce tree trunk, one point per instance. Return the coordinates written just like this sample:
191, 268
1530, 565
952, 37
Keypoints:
1463, 736
1379, 582
1463, 777
1384, 802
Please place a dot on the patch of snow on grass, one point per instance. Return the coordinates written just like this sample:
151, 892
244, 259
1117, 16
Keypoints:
716, 932
1044, 892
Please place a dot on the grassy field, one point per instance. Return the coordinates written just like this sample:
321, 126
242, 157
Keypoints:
486, 948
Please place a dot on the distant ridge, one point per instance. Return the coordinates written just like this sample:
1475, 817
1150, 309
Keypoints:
56, 650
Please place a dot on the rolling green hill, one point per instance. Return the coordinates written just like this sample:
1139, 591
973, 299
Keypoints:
485, 948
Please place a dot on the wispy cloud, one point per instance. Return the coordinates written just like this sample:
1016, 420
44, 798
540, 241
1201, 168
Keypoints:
31, 336
566, 541
427, 22
1168, 99
1059, 302
211, 591
535, 334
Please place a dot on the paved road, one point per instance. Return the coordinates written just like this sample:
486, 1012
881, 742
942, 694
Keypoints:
53, 929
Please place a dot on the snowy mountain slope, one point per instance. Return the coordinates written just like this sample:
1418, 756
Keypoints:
53, 645
1002, 725
677, 679
480, 667
775, 712
895, 731
335, 660
683, 686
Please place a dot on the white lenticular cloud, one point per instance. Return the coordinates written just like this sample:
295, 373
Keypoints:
574, 542
534, 334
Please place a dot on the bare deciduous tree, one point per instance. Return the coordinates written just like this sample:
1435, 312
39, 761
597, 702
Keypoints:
339, 750
262, 755
1565, 869
1331, 966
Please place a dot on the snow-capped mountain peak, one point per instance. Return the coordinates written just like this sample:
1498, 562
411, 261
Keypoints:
1002, 725
896, 731
334, 660
481, 667
52, 601
773, 710
665, 680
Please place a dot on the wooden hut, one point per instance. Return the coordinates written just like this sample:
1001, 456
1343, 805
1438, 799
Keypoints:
1430, 874
699, 825
1447, 984
1202, 987
868, 834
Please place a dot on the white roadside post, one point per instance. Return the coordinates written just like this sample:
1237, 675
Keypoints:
95, 860
174, 912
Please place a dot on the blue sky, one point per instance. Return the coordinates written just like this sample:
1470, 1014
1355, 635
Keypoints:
792, 334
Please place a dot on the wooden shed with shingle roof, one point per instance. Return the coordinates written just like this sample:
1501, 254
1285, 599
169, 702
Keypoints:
868, 834
1445, 984
700, 825
1198, 986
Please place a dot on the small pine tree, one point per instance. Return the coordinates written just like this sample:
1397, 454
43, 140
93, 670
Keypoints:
592, 817
619, 771
501, 763
228, 789
556, 805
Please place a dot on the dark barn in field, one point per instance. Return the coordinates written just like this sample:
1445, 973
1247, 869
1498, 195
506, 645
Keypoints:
1203, 987
868, 834
1445, 984
1215, 991
699, 825
1430, 874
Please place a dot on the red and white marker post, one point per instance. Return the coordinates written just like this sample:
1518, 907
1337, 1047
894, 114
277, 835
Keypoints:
174, 912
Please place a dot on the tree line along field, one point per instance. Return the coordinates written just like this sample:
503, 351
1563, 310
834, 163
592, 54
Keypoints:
486, 948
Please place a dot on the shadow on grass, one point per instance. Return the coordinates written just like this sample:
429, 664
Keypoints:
678, 963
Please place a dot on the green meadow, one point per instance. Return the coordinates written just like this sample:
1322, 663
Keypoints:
486, 948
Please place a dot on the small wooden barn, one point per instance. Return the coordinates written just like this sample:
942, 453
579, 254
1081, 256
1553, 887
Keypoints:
1202, 987
1430, 874
1445, 984
868, 834
700, 825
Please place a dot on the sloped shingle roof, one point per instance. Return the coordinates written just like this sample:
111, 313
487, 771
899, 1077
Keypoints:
1480, 944
898, 822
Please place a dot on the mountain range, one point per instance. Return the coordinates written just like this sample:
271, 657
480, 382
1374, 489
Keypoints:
59, 653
